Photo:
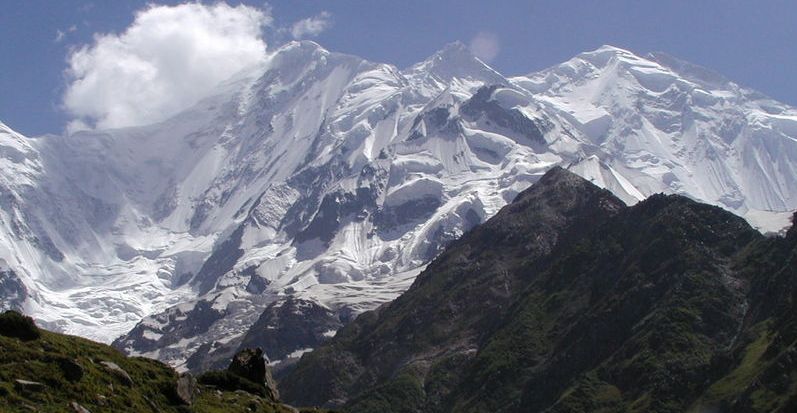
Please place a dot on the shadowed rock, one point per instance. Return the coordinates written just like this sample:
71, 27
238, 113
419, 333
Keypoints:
251, 365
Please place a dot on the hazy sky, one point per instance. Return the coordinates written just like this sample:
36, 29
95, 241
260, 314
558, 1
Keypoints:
103, 62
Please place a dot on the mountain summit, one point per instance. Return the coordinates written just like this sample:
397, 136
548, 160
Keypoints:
333, 180
568, 300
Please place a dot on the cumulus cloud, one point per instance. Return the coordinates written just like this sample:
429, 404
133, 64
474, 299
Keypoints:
169, 58
485, 46
311, 26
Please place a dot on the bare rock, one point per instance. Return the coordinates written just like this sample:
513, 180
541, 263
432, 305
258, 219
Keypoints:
251, 364
71, 369
28, 386
186, 388
118, 372
78, 408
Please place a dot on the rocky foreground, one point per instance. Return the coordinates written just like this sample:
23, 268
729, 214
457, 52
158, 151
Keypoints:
41, 371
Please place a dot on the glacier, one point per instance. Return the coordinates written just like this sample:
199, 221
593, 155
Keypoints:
328, 178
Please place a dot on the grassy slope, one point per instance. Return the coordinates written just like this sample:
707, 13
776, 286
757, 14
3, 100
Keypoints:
98, 390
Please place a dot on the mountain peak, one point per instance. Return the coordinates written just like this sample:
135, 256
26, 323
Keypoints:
454, 48
792, 233
688, 70
452, 54
557, 176
307, 48
566, 191
601, 56
605, 54
5, 128
454, 61
607, 48
308, 45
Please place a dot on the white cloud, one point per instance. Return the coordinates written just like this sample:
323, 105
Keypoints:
485, 46
60, 34
166, 60
312, 26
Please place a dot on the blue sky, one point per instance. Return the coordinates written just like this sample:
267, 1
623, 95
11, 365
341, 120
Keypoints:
750, 42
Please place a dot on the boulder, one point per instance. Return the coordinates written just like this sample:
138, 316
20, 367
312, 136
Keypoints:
186, 389
71, 369
251, 364
118, 372
78, 408
28, 386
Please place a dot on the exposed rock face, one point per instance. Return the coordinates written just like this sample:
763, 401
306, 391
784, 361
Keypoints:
520, 126
12, 289
252, 365
441, 317
568, 300
338, 180
288, 328
187, 388
171, 326
792, 233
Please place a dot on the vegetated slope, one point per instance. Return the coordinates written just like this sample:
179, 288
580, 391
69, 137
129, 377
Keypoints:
48, 372
567, 300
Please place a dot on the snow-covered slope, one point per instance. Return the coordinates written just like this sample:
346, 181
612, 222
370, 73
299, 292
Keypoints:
335, 180
669, 126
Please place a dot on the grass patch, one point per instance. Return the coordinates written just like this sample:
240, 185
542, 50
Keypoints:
742, 376
68, 369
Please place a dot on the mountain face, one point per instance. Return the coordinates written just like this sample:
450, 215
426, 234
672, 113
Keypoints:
568, 300
335, 181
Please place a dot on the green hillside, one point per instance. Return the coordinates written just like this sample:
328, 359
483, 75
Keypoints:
569, 301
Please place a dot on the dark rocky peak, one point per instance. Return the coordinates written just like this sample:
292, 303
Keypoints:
564, 291
560, 203
248, 371
287, 327
559, 185
252, 365
689, 221
792, 233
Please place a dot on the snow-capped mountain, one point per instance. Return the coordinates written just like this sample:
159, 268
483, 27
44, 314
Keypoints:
334, 180
670, 126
